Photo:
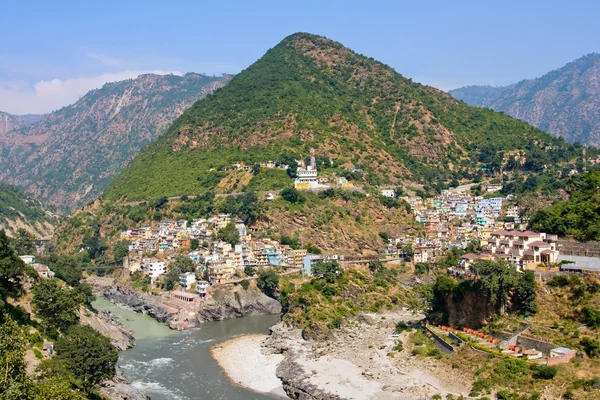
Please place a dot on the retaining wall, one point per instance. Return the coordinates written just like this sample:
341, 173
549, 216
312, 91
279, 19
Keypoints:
530, 343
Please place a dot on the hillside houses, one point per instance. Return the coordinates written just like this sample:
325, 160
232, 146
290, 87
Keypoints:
152, 249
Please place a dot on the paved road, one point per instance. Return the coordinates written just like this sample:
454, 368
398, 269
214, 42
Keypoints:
464, 188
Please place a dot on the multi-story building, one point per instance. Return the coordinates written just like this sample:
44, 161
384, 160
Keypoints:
186, 280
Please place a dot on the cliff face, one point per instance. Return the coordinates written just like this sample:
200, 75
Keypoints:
224, 303
471, 310
228, 303
69, 157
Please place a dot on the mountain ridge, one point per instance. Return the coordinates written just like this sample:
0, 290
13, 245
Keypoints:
310, 91
68, 157
563, 102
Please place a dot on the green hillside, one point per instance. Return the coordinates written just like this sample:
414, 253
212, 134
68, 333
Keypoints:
18, 210
579, 216
309, 91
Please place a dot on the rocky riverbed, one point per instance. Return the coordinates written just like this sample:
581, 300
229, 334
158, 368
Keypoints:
360, 362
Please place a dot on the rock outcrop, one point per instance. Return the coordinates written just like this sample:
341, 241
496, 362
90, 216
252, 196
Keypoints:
119, 388
108, 325
225, 302
138, 302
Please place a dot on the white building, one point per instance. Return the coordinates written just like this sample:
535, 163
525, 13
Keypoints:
187, 279
388, 193
202, 288
307, 178
156, 269
28, 259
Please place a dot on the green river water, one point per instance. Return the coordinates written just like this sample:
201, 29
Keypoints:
167, 364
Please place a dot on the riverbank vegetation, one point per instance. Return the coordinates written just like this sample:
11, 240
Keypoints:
323, 303
82, 357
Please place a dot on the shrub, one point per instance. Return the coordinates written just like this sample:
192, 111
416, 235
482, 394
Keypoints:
590, 346
245, 284
558, 281
399, 346
545, 372
401, 327
292, 195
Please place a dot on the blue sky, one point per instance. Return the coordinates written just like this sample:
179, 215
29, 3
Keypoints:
53, 53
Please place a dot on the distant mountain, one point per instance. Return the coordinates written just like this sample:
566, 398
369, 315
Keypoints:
30, 119
69, 157
9, 122
18, 210
475, 95
564, 102
312, 92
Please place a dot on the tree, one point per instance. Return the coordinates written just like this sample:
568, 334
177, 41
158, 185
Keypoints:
590, 346
525, 292
182, 264
497, 279
14, 383
23, 242
91, 356
249, 270
121, 250
229, 234
292, 195
56, 306
385, 236
171, 279
194, 244
12, 269
245, 283
329, 270
67, 268
268, 282
255, 169
95, 245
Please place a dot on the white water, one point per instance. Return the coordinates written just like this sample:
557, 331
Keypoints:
166, 364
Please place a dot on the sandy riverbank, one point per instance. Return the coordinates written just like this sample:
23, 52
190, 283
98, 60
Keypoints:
245, 364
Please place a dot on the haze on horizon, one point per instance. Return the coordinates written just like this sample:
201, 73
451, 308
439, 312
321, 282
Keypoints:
54, 53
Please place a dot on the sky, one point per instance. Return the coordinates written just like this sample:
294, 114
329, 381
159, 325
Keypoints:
52, 53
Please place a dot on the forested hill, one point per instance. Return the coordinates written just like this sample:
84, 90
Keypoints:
312, 92
20, 211
564, 102
579, 216
69, 157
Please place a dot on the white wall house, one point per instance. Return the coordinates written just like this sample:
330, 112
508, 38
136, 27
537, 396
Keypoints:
187, 279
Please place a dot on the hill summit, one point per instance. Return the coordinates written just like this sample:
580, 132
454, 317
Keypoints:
312, 92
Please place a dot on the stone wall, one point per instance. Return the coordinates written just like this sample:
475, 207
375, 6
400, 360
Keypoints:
531, 343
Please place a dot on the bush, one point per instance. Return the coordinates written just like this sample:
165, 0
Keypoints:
559, 281
245, 284
590, 346
268, 282
401, 327
292, 195
399, 346
545, 372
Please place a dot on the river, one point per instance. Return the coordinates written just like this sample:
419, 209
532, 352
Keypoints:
167, 364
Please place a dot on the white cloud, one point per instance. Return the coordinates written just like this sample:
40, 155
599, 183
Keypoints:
18, 97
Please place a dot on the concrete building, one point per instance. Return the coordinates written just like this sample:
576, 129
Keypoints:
388, 193
186, 280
